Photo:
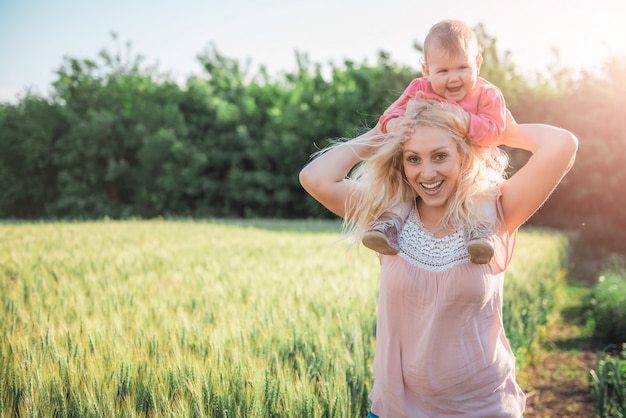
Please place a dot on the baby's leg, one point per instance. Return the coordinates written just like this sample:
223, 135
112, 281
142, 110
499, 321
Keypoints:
382, 237
479, 245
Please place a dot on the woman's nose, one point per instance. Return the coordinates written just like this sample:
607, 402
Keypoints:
430, 171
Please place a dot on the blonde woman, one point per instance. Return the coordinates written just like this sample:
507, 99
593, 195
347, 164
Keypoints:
440, 344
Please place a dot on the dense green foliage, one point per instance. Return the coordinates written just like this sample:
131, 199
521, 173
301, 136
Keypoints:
607, 310
118, 139
181, 319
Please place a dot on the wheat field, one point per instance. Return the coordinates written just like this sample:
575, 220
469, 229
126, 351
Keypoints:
208, 319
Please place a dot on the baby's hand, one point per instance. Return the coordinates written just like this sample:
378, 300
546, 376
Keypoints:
395, 124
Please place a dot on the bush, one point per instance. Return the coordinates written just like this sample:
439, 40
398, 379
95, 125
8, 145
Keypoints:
607, 313
608, 385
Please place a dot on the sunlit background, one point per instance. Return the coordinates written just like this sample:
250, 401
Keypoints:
36, 35
214, 309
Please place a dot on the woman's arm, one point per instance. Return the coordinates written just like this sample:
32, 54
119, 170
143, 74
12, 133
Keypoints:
324, 178
553, 154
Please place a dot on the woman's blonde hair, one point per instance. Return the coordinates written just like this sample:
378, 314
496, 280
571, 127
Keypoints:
380, 182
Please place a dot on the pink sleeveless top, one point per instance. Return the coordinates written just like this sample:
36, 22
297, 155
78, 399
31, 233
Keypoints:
440, 344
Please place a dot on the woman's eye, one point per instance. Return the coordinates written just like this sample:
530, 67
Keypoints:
440, 157
413, 159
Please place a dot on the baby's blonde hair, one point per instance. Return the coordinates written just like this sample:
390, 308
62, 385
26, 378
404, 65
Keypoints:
380, 182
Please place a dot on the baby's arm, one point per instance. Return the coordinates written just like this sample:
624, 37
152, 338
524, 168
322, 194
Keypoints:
398, 108
487, 124
508, 137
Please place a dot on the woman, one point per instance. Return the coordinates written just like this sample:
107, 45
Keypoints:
441, 349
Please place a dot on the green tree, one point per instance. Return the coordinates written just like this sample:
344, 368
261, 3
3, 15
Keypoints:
114, 108
29, 132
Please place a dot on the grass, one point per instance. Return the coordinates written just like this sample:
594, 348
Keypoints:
534, 287
216, 319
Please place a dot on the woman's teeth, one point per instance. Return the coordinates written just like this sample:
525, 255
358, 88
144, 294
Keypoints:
432, 185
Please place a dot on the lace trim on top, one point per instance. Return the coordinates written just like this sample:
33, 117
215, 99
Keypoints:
420, 248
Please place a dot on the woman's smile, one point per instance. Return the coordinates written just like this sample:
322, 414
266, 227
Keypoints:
432, 188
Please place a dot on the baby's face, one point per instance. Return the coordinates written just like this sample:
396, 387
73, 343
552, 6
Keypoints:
452, 76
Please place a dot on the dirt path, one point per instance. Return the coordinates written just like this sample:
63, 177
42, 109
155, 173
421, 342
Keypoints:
558, 386
557, 383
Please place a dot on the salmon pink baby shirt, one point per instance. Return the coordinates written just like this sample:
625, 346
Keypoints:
440, 344
485, 105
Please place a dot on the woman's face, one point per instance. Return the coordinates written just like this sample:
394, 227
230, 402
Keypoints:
432, 164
